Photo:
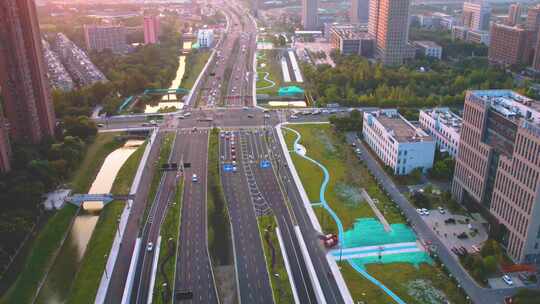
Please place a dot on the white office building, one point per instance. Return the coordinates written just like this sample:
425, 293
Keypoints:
399, 144
205, 38
444, 126
429, 48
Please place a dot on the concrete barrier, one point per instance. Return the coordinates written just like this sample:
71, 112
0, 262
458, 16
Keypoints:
347, 298
287, 266
319, 295
126, 296
154, 271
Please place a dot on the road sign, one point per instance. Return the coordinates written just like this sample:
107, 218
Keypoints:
265, 164
227, 167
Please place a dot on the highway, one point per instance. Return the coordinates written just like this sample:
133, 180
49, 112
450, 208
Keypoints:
151, 231
193, 269
267, 183
245, 204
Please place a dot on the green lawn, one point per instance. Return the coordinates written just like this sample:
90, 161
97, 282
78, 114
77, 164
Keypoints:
281, 287
87, 281
195, 63
347, 177
169, 231
46, 244
413, 285
271, 59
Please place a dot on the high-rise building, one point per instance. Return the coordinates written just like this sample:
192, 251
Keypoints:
389, 25
309, 14
151, 29
508, 45
23, 75
476, 15
514, 14
100, 37
498, 168
536, 59
533, 18
205, 38
5, 148
359, 11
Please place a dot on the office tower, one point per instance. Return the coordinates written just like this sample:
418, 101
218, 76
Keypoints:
508, 45
389, 25
151, 29
476, 15
498, 168
514, 14
536, 59
359, 11
23, 74
309, 14
98, 37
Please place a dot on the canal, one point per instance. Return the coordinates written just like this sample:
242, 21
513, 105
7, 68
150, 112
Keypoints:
170, 100
57, 285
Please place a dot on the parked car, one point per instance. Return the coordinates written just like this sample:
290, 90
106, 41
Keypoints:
508, 280
441, 210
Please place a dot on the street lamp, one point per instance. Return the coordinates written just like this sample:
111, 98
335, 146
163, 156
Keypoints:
106, 274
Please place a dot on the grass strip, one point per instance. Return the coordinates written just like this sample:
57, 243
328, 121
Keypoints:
48, 240
219, 234
167, 253
88, 278
164, 152
281, 287
195, 62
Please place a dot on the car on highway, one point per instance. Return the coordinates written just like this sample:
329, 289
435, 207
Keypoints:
508, 280
234, 169
150, 246
293, 117
250, 116
194, 178
181, 116
266, 115
245, 108
188, 114
145, 124
100, 125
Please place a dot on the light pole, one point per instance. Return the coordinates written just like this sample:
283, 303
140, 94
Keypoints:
106, 274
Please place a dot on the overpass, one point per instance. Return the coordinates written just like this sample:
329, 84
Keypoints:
78, 199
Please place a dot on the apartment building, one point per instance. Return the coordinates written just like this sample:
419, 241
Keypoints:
514, 14
398, 144
509, 45
101, 37
310, 20
445, 127
498, 168
476, 15
151, 27
359, 11
26, 94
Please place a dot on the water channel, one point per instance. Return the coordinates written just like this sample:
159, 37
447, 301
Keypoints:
57, 285
170, 100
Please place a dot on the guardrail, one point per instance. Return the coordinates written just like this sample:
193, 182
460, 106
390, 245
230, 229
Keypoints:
287, 265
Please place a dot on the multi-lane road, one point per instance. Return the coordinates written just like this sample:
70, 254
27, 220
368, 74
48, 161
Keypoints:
193, 269
244, 203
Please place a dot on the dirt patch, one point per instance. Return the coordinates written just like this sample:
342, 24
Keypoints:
425, 292
350, 195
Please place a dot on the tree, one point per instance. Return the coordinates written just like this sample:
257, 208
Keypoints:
490, 263
81, 127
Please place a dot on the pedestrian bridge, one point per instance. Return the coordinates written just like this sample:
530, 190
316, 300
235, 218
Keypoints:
78, 199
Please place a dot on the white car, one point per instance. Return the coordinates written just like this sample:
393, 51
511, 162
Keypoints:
293, 117
441, 210
150, 246
234, 169
507, 279
194, 178
425, 211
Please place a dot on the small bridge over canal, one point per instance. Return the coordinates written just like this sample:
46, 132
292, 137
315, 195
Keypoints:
78, 199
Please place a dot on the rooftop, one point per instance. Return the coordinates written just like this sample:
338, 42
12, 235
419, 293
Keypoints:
400, 128
350, 32
445, 117
511, 104
427, 44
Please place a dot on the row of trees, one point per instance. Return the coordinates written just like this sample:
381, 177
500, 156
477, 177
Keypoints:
354, 81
